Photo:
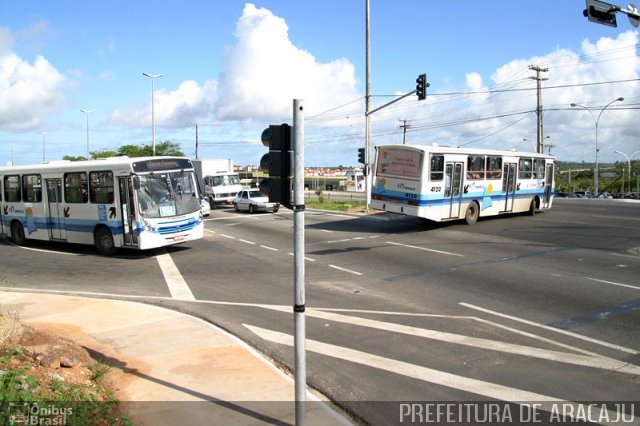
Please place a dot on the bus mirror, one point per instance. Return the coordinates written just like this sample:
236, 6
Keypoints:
136, 183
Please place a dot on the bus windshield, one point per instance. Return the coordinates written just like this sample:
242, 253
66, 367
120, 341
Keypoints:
167, 194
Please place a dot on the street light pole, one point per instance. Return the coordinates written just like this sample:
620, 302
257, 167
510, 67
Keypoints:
628, 157
597, 120
87, 112
153, 118
43, 155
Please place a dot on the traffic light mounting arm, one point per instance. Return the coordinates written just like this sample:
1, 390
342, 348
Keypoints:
413, 92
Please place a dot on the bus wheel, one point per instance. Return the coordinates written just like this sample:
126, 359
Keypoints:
473, 211
17, 233
103, 240
532, 207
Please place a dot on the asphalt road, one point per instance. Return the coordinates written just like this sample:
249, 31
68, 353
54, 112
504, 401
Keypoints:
514, 308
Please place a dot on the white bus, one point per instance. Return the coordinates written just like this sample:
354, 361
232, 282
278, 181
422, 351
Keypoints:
442, 183
139, 203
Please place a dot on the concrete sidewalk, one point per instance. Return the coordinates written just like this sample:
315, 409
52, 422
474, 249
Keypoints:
171, 368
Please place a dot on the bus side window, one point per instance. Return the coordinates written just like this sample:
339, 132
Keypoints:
437, 167
538, 168
475, 167
12, 189
31, 189
75, 187
494, 167
525, 168
101, 187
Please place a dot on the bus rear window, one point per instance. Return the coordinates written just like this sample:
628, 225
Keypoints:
399, 162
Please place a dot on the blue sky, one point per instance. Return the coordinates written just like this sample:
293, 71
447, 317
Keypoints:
234, 67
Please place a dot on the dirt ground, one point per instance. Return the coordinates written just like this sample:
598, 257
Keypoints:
48, 358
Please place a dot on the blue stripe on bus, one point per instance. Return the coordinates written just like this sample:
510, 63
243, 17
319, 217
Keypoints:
423, 200
169, 226
70, 225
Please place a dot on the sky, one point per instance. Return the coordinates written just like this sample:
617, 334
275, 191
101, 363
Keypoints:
230, 68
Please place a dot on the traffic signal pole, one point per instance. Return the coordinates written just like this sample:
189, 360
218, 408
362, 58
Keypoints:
298, 255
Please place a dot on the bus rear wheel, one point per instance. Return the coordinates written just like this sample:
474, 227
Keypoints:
17, 233
103, 240
473, 211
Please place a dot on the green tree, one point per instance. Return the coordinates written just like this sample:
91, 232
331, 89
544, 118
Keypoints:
74, 158
166, 148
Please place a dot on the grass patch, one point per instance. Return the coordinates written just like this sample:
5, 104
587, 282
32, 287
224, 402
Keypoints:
336, 205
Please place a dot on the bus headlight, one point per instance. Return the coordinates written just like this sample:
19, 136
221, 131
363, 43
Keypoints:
145, 225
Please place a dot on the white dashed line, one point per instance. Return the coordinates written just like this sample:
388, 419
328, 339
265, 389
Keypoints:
345, 270
426, 249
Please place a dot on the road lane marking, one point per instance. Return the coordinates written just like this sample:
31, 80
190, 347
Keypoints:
556, 330
592, 361
46, 251
177, 285
425, 249
228, 236
425, 374
345, 270
270, 248
403, 368
613, 283
246, 241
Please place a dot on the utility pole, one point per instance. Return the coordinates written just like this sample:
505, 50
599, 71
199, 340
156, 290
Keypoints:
549, 146
404, 128
196, 126
539, 81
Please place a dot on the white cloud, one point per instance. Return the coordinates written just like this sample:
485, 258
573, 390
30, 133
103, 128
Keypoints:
265, 71
172, 108
474, 81
572, 77
29, 93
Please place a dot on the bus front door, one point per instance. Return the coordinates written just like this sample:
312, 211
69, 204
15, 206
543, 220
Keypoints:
548, 182
452, 190
127, 208
509, 186
56, 210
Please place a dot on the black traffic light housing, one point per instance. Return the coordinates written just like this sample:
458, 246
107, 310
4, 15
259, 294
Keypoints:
361, 156
421, 87
601, 13
277, 163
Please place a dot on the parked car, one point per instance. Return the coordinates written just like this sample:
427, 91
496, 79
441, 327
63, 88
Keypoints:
253, 201
205, 207
584, 194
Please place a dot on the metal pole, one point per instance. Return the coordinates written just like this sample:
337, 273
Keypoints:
153, 115
367, 152
87, 112
43, 154
299, 254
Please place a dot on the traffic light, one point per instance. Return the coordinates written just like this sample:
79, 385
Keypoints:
421, 87
277, 163
361, 156
601, 13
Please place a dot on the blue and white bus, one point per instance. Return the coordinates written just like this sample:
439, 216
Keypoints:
138, 203
443, 183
